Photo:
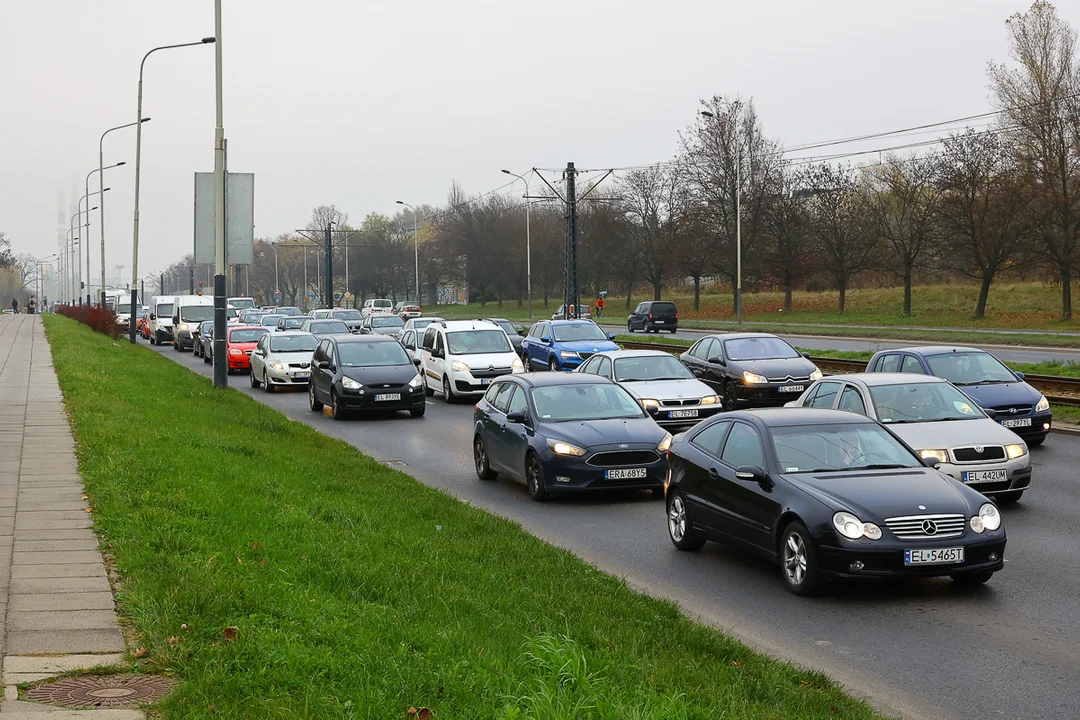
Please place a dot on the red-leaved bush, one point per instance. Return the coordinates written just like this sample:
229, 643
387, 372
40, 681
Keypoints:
101, 319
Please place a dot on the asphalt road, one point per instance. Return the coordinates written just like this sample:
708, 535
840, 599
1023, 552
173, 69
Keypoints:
817, 342
924, 649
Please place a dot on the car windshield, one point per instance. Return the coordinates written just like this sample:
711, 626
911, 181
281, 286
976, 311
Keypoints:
242, 303
291, 323
247, 336
140, 313
372, 354
650, 367
970, 368
123, 309
849, 446
328, 327
196, 313
759, 348
506, 326
578, 331
251, 316
293, 343
164, 310
922, 402
561, 403
387, 321
290, 311
207, 327
270, 320
231, 312
346, 315
421, 324
477, 342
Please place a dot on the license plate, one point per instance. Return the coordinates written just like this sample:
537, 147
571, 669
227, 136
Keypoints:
985, 476
484, 381
301, 376
792, 388
387, 396
682, 414
934, 556
658, 322
625, 474
1018, 422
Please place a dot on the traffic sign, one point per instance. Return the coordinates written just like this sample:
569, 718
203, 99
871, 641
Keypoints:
337, 296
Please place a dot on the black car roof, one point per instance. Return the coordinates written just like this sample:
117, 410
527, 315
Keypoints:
549, 379
934, 350
740, 336
787, 417
362, 338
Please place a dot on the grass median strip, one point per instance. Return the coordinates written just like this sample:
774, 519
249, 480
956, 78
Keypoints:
279, 573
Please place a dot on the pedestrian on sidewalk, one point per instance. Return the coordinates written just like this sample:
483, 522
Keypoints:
31, 307
15, 305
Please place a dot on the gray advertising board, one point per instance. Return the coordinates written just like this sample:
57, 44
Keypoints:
239, 220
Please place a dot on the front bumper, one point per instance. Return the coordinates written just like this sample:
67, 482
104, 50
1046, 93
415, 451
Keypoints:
288, 376
885, 558
574, 474
664, 418
364, 399
1039, 428
239, 362
770, 395
1018, 475
164, 333
184, 339
466, 384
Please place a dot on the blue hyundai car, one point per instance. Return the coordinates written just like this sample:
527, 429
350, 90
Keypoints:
563, 344
566, 433
983, 378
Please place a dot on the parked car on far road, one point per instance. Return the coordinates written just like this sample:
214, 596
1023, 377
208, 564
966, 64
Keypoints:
654, 316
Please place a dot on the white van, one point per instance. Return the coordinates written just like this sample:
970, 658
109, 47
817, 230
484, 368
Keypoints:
460, 358
189, 311
160, 320
241, 303
377, 306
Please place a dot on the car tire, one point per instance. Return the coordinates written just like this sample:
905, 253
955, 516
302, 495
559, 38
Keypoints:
629, 327
534, 478
798, 560
176, 346
447, 392
228, 371
674, 330
730, 399
417, 412
313, 402
527, 363
266, 384
553, 366
481, 461
336, 410
1010, 497
206, 358
254, 380
680, 528
151, 338
970, 579
428, 390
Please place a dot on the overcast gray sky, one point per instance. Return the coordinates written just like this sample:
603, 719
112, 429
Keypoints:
363, 102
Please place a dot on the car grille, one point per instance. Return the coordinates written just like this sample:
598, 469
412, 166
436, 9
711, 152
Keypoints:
623, 457
494, 372
585, 355
680, 403
978, 453
786, 379
301, 365
1012, 410
926, 527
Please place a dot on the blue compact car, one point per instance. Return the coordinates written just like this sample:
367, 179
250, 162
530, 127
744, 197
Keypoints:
566, 433
984, 379
563, 344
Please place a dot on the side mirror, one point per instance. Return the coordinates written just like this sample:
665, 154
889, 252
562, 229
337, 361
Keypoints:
522, 332
931, 462
806, 355
516, 418
548, 340
324, 365
751, 473
717, 360
153, 316
990, 413
611, 336
1019, 375
416, 362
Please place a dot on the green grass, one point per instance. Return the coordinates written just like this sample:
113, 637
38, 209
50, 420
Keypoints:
358, 592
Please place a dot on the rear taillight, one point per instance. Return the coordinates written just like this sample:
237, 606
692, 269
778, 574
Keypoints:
650, 316
676, 316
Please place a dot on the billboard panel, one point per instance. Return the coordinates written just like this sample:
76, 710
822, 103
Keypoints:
239, 218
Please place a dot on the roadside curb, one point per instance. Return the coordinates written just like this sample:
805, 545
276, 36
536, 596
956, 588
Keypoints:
1073, 430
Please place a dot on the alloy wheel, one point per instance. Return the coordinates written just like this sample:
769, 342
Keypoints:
554, 366
795, 559
677, 519
448, 395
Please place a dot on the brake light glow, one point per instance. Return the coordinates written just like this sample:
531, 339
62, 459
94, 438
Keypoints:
650, 316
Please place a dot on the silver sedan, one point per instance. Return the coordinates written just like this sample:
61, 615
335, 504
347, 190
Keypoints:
282, 358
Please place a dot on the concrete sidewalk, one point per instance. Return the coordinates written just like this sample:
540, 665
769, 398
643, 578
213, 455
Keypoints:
56, 606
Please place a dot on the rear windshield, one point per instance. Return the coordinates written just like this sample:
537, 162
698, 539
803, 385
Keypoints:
242, 303
381, 303
290, 311
328, 327
663, 308
291, 323
196, 313
247, 336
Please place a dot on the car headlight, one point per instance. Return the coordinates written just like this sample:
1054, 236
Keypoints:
753, 379
990, 516
567, 355
276, 365
939, 455
816, 375
516, 366
665, 443
563, 448
349, 383
416, 382
710, 400
236, 351
1016, 451
853, 528
1043, 405
459, 366
650, 403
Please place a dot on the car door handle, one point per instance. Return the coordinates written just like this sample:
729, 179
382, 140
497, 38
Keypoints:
714, 473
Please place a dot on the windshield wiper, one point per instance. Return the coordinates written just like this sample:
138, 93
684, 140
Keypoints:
880, 466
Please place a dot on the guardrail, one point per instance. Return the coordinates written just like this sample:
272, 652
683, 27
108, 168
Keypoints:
1046, 384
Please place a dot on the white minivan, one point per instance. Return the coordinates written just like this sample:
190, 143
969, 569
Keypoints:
241, 303
189, 311
460, 358
159, 321
377, 306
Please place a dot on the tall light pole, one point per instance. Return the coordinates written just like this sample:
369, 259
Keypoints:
738, 211
138, 168
76, 277
221, 368
528, 240
101, 203
101, 183
65, 263
416, 247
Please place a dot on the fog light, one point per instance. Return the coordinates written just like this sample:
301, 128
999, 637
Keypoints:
993, 557
1046, 426
560, 478
856, 566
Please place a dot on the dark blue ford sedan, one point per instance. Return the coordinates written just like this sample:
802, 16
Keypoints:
567, 432
983, 378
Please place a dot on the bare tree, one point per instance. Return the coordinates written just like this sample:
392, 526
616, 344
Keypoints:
982, 208
1040, 100
789, 247
6, 258
653, 203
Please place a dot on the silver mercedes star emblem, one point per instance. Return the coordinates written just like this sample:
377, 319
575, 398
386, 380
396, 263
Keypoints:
929, 527
979, 448
623, 446
922, 507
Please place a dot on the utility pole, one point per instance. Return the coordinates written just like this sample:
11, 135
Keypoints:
142, 292
570, 254
161, 282
328, 289
221, 368
191, 280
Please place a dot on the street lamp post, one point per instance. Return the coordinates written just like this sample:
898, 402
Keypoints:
101, 182
528, 241
738, 213
138, 167
78, 291
416, 247
101, 203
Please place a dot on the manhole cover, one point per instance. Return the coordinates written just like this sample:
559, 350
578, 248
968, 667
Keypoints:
102, 691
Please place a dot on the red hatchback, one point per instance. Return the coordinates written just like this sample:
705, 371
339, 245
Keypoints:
239, 345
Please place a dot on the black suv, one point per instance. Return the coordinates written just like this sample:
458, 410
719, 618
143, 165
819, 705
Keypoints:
654, 316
